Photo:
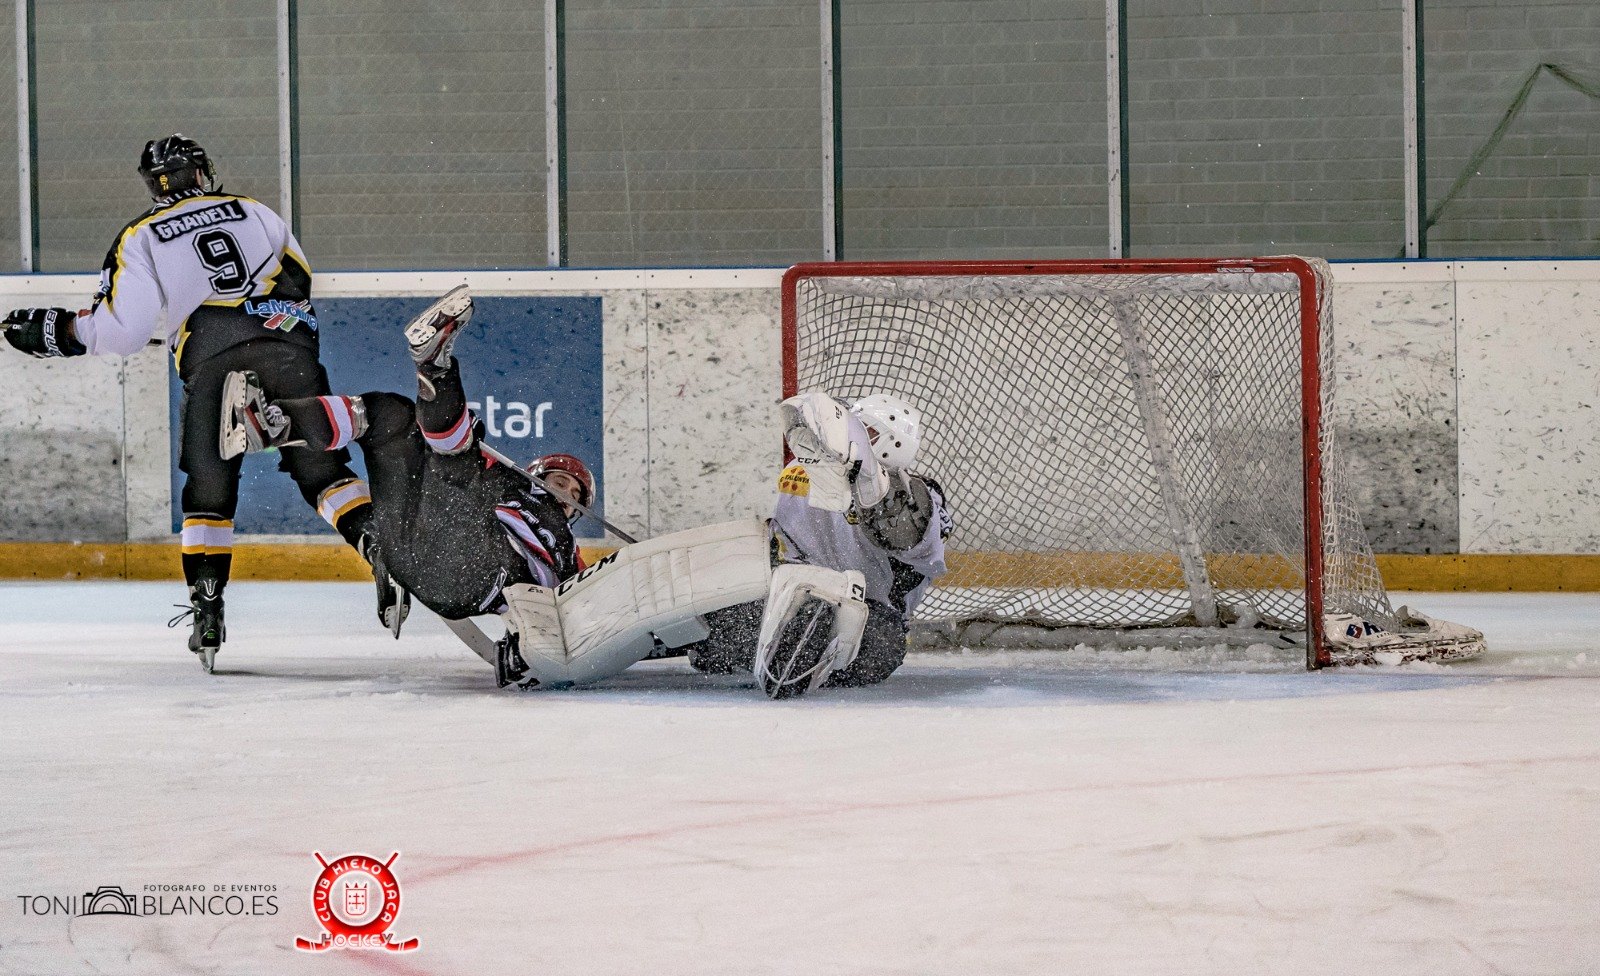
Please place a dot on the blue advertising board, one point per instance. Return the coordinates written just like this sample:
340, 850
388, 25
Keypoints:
532, 371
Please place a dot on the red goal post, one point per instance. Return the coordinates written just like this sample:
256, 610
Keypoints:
1123, 339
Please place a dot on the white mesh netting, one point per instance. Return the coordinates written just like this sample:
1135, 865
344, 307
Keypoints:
1118, 449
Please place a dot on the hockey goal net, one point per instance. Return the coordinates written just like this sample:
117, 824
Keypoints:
1124, 444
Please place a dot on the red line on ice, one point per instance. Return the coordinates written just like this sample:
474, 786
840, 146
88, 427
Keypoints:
466, 864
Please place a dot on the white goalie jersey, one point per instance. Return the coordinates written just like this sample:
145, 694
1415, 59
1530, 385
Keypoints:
844, 541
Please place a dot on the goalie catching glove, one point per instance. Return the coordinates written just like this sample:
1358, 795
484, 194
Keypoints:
834, 447
43, 333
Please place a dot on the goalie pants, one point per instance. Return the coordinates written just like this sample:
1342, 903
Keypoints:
731, 648
210, 494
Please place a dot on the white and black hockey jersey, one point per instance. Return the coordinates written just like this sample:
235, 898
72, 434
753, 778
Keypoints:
837, 540
212, 270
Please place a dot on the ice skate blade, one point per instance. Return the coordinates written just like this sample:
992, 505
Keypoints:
231, 442
432, 332
208, 659
393, 617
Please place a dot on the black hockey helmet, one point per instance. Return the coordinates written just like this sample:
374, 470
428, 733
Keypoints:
175, 164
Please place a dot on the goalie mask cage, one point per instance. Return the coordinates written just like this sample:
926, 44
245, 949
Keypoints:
1123, 443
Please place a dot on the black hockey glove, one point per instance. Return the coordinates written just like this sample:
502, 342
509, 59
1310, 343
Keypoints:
43, 333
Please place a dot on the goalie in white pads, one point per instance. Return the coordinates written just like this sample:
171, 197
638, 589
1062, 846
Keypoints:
817, 596
857, 540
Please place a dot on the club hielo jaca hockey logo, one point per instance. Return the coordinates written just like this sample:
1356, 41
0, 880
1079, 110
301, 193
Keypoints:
356, 899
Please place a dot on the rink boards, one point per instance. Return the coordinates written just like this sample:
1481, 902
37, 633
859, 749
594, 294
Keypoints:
1466, 393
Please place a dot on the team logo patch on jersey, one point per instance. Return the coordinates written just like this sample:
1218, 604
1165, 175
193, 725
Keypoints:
794, 481
172, 228
283, 315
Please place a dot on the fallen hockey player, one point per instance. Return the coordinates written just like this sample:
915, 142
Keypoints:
452, 526
818, 596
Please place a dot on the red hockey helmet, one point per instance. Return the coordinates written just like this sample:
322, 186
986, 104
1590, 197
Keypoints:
567, 464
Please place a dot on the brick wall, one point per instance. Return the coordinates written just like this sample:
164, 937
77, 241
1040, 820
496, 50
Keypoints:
974, 129
1260, 126
694, 132
970, 129
112, 76
422, 133
1539, 192
10, 258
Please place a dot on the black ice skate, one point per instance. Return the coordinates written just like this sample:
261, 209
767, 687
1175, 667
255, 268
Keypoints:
509, 667
249, 422
205, 612
394, 600
432, 334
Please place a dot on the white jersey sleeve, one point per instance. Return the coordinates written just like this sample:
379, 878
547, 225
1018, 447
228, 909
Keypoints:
102, 331
214, 251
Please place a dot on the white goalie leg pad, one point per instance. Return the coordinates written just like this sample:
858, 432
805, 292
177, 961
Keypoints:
607, 618
778, 670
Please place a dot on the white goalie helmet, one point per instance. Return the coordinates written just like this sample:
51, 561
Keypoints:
897, 426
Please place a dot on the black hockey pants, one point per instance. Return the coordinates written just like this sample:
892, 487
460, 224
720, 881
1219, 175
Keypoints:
433, 512
210, 494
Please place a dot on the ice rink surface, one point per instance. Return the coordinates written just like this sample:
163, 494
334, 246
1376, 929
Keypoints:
1025, 812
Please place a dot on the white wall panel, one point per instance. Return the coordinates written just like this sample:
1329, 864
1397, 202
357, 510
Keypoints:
1396, 401
1529, 359
147, 448
627, 416
714, 388
61, 432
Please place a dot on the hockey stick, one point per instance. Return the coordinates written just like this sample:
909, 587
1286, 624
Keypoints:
472, 636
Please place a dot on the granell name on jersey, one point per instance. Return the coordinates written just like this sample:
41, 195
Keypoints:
222, 213
280, 314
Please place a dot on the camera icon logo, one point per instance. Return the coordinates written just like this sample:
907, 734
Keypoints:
109, 900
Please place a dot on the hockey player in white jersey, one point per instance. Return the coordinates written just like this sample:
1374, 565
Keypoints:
222, 279
857, 537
